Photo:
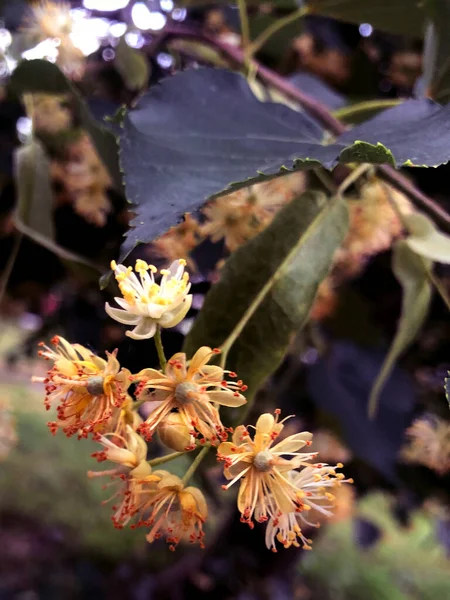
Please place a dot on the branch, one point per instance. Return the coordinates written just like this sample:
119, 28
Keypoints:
315, 109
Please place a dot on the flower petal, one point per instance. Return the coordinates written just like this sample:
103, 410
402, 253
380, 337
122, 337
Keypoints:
122, 316
265, 423
227, 398
175, 316
199, 498
226, 448
200, 358
240, 435
293, 443
145, 329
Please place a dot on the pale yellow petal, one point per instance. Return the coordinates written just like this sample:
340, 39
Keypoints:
227, 398
293, 443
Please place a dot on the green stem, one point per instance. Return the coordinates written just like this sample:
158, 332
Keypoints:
10, 264
362, 107
436, 282
159, 348
245, 27
138, 403
353, 177
274, 28
163, 459
198, 459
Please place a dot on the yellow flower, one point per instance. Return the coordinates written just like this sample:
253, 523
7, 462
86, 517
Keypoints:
129, 453
266, 490
89, 391
191, 388
175, 512
146, 304
312, 484
429, 444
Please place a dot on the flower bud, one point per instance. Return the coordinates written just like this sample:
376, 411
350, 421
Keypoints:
175, 434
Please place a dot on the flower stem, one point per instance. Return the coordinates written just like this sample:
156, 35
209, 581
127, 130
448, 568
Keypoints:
274, 28
353, 177
163, 459
362, 107
159, 348
198, 459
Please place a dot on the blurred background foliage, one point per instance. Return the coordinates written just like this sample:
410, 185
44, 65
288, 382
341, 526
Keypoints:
390, 538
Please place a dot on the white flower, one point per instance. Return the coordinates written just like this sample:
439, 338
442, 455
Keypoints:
146, 304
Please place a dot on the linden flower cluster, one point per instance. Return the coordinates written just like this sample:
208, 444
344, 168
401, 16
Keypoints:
279, 484
429, 444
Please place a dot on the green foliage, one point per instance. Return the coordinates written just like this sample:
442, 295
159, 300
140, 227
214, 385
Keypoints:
406, 564
45, 478
282, 268
410, 271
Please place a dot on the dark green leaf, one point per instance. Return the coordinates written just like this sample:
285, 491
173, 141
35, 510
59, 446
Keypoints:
34, 76
411, 273
194, 134
292, 256
34, 213
404, 17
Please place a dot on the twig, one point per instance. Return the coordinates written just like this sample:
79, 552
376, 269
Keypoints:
245, 27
